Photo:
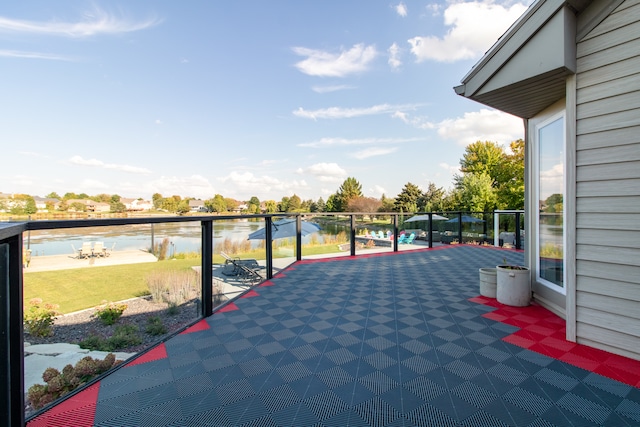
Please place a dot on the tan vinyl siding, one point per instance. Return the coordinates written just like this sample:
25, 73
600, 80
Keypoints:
608, 183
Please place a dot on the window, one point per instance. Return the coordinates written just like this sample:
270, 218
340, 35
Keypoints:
551, 193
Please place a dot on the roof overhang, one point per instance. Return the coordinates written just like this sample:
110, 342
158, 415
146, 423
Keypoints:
526, 70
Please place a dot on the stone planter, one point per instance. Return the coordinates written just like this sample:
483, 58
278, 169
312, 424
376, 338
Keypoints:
488, 278
513, 285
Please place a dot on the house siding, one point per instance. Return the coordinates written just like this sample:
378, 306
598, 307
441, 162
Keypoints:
608, 183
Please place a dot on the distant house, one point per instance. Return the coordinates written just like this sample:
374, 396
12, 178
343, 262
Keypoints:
42, 202
197, 206
240, 208
571, 70
91, 206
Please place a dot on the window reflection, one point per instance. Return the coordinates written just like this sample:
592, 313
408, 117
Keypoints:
551, 202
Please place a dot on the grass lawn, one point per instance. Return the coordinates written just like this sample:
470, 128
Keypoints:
81, 288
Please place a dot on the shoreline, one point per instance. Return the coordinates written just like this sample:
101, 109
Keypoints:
66, 262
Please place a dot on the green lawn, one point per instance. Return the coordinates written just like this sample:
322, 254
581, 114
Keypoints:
80, 288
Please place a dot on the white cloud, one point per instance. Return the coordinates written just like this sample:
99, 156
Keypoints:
483, 125
328, 89
325, 172
330, 142
551, 180
185, 186
377, 191
93, 23
33, 55
449, 168
373, 152
77, 160
347, 113
394, 56
473, 28
326, 64
415, 121
244, 185
158, 122
401, 9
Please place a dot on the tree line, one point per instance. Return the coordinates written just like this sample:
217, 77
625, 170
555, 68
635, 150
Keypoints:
491, 177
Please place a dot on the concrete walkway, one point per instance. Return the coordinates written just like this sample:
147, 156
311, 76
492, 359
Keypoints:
42, 356
66, 262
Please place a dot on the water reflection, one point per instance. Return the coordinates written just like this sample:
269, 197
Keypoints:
183, 236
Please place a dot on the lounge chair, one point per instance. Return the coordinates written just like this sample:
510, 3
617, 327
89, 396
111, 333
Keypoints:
409, 239
99, 249
85, 251
381, 234
245, 269
402, 238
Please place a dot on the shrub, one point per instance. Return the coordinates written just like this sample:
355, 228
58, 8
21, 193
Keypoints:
173, 309
123, 336
39, 318
155, 326
109, 313
58, 384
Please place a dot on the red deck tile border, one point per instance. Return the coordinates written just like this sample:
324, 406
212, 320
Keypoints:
200, 326
544, 332
78, 410
250, 294
156, 353
229, 307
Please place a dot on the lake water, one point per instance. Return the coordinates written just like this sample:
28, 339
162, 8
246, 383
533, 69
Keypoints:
183, 237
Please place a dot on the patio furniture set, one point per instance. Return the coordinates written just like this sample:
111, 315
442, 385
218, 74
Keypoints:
89, 250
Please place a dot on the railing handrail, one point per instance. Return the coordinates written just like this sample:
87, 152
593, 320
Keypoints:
11, 251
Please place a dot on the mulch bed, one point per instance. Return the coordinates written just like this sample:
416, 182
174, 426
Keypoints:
75, 327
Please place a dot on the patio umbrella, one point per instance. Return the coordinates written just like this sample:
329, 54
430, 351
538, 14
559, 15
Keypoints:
284, 228
434, 217
465, 218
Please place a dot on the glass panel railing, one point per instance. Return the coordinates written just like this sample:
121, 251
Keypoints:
116, 289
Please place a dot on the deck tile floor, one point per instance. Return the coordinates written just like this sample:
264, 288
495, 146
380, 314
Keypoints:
389, 340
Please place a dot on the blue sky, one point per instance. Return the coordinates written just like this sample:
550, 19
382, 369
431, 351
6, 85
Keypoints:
247, 98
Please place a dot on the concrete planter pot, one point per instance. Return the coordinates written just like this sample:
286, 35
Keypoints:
488, 282
513, 285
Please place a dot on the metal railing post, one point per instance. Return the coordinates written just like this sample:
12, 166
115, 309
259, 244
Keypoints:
430, 233
298, 237
11, 333
207, 268
268, 238
352, 234
518, 240
395, 233
460, 227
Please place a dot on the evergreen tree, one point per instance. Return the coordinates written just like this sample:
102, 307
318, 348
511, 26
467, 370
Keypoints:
407, 200
349, 190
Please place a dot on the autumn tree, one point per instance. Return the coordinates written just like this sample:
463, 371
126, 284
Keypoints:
364, 204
